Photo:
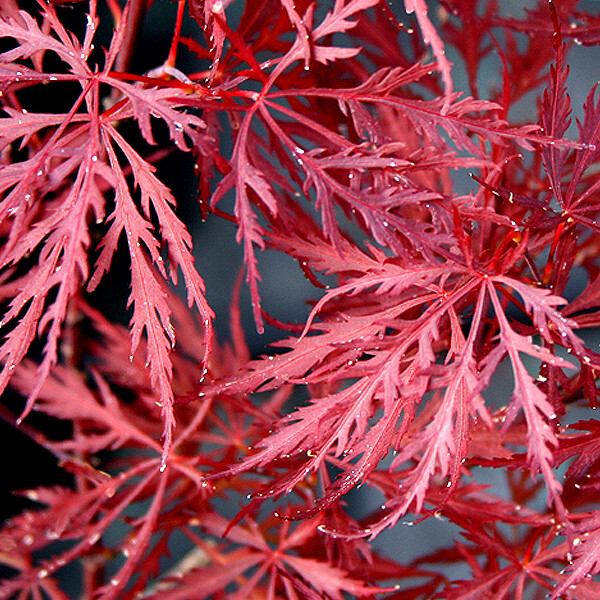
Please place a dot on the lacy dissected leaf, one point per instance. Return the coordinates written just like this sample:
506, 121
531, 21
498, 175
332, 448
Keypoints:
391, 378
527, 396
442, 445
556, 108
50, 216
585, 561
66, 396
245, 174
151, 312
589, 133
378, 203
153, 102
254, 560
211, 16
101, 501
68, 517
244, 177
337, 20
342, 146
391, 371
585, 29
379, 209
64, 239
536, 551
586, 446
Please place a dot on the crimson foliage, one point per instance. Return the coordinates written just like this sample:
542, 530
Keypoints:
337, 131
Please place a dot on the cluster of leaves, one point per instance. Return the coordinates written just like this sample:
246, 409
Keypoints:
350, 143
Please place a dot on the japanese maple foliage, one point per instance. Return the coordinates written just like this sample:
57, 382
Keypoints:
446, 239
